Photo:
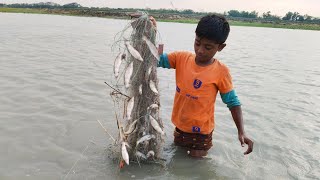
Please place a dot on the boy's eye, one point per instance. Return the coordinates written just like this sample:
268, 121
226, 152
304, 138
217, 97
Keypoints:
208, 47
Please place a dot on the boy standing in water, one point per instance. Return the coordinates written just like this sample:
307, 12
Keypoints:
199, 77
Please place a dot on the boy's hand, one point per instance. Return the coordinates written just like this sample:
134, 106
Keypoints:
245, 140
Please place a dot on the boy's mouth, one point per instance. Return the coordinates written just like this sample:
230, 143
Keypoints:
199, 58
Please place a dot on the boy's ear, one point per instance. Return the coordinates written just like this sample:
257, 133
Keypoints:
221, 46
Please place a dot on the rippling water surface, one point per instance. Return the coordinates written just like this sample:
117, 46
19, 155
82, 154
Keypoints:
52, 73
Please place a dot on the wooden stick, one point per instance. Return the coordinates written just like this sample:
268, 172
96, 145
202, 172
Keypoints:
106, 131
160, 49
116, 90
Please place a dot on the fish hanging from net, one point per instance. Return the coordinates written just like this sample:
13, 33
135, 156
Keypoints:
135, 93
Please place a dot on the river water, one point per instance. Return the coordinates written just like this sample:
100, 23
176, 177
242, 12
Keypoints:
52, 74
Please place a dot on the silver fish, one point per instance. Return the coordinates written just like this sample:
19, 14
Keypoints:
153, 87
153, 106
145, 138
147, 74
130, 107
152, 47
131, 128
127, 75
117, 64
155, 125
149, 70
124, 152
133, 51
140, 89
150, 153
141, 155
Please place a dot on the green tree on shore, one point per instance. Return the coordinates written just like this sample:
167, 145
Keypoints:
269, 16
242, 14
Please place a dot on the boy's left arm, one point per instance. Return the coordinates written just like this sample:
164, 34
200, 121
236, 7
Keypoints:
231, 99
238, 120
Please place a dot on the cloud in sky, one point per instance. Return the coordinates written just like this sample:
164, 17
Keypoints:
278, 7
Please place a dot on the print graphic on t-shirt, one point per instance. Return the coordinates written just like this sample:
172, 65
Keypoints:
178, 89
197, 83
195, 129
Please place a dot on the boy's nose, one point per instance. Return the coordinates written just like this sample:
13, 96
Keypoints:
200, 51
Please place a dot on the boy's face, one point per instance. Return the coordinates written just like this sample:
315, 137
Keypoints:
205, 50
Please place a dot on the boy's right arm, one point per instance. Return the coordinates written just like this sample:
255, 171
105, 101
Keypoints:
164, 61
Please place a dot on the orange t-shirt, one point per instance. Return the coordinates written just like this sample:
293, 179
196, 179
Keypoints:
196, 92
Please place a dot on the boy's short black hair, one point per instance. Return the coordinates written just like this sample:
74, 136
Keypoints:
213, 27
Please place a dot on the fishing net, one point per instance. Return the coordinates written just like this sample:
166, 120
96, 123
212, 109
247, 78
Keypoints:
135, 92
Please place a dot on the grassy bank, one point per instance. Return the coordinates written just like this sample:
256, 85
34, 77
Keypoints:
23, 10
277, 25
122, 15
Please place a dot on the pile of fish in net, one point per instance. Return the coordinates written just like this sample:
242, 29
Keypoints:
135, 93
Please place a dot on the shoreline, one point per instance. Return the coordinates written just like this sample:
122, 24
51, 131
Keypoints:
159, 17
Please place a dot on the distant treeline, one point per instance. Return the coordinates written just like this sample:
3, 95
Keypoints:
289, 16
49, 5
293, 17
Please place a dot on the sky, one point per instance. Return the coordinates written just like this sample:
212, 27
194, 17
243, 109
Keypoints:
277, 7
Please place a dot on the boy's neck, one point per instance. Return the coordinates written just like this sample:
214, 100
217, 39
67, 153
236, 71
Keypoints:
207, 63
